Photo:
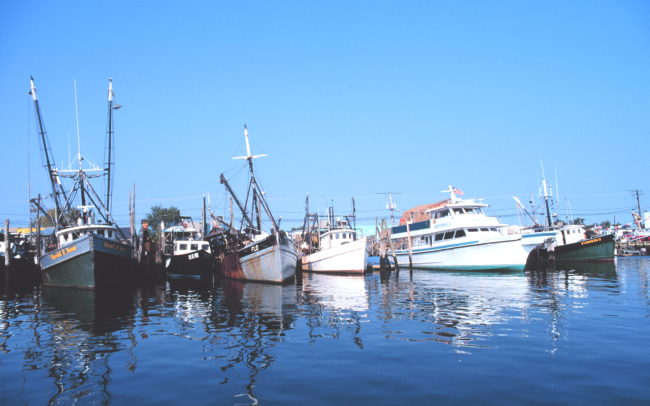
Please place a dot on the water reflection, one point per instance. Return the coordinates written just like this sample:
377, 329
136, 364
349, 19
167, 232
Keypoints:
73, 335
70, 341
251, 318
334, 304
455, 308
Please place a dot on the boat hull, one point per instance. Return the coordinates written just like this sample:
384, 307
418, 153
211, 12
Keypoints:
87, 263
272, 259
594, 249
190, 264
509, 254
347, 258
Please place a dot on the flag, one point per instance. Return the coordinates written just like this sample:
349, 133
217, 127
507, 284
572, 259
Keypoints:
458, 191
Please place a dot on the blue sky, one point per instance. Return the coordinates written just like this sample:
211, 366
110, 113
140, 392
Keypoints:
348, 99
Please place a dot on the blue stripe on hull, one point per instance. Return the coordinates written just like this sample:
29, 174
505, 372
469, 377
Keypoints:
469, 268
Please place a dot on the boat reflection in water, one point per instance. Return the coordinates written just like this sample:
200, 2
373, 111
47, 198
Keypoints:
255, 318
336, 291
189, 340
456, 308
85, 329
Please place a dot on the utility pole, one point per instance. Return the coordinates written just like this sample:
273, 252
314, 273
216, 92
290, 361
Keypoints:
638, 203
390, 205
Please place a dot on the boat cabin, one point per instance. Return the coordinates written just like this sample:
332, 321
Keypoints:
334, 235
182, 239
68, 235
572, 233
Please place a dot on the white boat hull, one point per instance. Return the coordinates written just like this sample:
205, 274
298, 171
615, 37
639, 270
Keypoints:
508, 254
347, 258
271, 260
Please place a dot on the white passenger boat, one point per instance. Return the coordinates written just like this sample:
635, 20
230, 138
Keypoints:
455, 234
332, 245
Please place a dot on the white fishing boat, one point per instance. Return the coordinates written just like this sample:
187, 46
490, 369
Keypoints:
455, 234
332, 245
257, 255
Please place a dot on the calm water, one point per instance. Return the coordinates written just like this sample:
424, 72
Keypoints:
571, 337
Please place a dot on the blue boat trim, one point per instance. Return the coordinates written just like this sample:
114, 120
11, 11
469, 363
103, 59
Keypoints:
446, 247
470, 268
420, 225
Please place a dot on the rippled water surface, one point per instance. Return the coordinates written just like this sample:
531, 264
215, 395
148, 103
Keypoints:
575, 336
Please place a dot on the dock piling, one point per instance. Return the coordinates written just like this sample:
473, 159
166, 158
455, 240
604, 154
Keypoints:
7, 245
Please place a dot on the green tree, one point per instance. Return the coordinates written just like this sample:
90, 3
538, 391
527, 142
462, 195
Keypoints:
606, 224
157, 214
71, 216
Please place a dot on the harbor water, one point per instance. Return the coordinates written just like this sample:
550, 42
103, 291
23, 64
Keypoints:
576, 336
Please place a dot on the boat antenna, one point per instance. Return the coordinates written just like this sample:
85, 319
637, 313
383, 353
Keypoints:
390, 205
76, 109
548, 210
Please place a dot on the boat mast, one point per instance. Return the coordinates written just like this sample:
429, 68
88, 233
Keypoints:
109, 164
81, 173
57, 187
256, 195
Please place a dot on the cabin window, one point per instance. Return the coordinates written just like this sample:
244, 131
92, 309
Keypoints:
439, 236
66, 237
337, 236
449, 235
493, 229
458, 210
473, 230
469, 210
460, 233
443, 213
110, 234
194, 247
100, 232
205, 247
74, 236
182, 247
485, 229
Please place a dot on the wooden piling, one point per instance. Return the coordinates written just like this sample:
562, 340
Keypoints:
408, 234
7, 245
37, 243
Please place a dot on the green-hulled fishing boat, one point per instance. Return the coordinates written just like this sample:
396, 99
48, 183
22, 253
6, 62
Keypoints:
82, 252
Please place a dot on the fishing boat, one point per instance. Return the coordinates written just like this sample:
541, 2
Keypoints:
565, 242
17, 247
82, 251
331, 244
184, 251
256, 254
455, 234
